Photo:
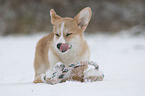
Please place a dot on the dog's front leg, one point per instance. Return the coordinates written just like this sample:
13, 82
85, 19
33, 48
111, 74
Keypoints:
51, 77
39, 79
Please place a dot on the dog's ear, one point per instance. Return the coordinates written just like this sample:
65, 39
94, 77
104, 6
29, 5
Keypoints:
54, 16
83, 17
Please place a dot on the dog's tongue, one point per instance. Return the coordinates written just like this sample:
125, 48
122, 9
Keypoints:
63, 47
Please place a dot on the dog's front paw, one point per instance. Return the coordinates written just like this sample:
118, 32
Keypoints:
59, 66
93, 75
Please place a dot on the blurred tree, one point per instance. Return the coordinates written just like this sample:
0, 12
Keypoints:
29, 16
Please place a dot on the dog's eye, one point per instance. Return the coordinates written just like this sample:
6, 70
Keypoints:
57, 34
68, 34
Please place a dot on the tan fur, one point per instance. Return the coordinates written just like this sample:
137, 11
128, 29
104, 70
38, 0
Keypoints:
41, 53
38, 79
47, 55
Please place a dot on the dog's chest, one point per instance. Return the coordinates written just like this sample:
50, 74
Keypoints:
68, 58
72, 57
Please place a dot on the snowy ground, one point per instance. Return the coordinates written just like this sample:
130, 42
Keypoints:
122, 58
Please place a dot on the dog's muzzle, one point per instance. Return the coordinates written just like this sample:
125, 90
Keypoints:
63, 47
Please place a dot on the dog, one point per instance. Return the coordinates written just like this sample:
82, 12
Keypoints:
65, 44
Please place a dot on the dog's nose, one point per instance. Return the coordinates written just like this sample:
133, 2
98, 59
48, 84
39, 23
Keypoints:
58, 45
62, 47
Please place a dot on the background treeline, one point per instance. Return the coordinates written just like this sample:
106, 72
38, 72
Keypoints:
29, 16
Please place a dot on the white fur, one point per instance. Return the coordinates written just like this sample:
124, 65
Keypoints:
84, 16
61, 39
53, 59
62, 28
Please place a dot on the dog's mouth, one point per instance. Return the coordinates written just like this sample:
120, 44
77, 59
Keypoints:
63, 47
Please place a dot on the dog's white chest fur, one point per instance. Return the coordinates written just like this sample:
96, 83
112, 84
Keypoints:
66, 58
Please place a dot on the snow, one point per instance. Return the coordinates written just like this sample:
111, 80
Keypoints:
121, 58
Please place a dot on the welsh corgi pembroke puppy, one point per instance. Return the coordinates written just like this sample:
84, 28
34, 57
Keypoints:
65, 44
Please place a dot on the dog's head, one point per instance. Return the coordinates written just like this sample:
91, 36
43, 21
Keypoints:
68, 31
